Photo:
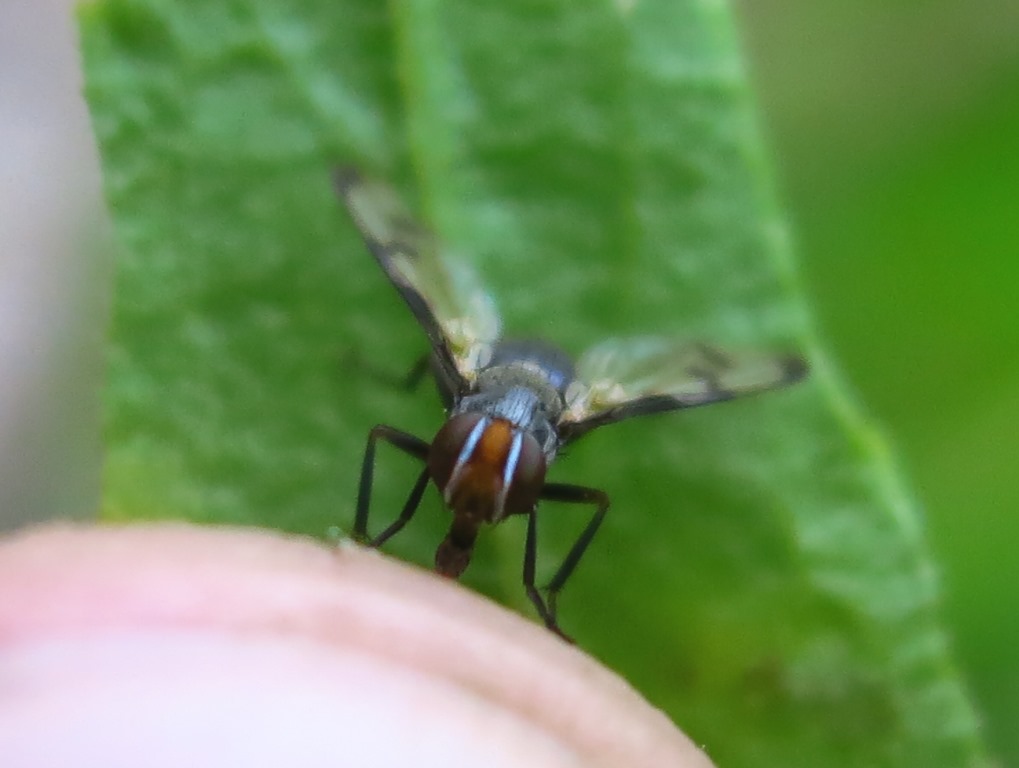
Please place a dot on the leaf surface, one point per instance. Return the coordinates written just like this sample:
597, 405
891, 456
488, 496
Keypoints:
762, 574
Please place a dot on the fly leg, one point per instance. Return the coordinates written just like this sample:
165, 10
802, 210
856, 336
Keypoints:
415, 375
407, 443
409, 508
572, 494
408, 382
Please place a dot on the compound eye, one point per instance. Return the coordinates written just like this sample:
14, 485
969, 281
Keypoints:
448, 444
528, 478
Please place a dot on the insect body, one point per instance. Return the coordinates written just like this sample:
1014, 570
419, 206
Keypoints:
512, 405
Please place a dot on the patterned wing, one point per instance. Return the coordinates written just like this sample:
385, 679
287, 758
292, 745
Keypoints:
444, 294
621, 378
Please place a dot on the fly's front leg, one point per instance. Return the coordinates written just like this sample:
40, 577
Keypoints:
409, 508
407, 443
572, 494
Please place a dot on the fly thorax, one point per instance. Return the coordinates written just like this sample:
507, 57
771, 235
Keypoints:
523, 407
486, 467
527, 375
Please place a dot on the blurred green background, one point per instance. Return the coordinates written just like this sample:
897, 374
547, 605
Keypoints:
895, 133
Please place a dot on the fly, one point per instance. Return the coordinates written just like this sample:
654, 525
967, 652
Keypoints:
513, 405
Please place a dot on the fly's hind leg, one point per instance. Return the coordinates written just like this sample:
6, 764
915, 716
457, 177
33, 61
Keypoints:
407, 382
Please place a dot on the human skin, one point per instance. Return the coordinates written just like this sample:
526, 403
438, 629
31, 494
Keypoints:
172, 644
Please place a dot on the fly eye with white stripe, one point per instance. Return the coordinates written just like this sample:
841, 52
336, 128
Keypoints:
486, 468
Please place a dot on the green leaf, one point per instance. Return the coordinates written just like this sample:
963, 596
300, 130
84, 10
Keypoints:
762, 574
